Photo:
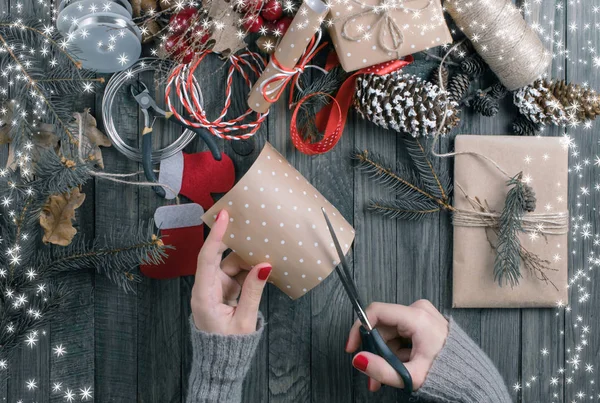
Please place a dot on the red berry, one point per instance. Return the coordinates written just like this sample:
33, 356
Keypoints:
272, 11
175, 44
188, 55
181, 21
253, 23
281, 26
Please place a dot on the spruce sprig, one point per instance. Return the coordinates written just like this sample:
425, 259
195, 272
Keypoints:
323, 87
420, 189
507, 265
40, 273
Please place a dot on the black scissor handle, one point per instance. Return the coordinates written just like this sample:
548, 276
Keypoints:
202, 133
147, 160
372, 342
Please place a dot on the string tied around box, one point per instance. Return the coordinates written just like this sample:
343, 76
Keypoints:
482, 216
385, 24
272, 88
184, 84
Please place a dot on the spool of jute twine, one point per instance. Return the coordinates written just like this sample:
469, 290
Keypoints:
502, 38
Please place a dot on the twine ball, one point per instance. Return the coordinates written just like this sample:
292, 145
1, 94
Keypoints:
503, 38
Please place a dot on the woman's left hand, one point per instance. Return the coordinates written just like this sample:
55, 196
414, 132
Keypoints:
219, 283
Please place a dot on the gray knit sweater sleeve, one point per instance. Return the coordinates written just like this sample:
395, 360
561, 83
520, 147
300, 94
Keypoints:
462, 373
220, 364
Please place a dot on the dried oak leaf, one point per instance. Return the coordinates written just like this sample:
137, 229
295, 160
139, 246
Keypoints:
57, 217
225, 42
92, 137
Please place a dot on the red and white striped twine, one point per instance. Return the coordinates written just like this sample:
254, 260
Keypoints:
188, 92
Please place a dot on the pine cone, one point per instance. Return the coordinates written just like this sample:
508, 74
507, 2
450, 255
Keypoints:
538, 104
498, 91
484, 104
458, 86
525, 127
530, 200
435, 78
473, 65
581, 103
405, 103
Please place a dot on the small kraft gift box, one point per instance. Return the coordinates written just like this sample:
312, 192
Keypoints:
541, 163
369, 32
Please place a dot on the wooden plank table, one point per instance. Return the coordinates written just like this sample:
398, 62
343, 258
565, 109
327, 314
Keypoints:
135, 347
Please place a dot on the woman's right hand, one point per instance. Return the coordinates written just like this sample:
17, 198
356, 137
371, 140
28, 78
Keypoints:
420, 322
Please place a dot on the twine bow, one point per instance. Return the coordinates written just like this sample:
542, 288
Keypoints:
388, 24
272, 88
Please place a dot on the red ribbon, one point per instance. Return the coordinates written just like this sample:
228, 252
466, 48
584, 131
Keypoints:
332, 119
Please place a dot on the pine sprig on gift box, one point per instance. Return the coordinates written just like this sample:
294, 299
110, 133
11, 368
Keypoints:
420, 189
519, 200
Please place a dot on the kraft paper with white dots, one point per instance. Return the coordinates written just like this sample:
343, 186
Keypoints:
275, 217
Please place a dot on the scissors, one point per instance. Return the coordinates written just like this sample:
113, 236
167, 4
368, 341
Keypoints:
372, 341
148, 105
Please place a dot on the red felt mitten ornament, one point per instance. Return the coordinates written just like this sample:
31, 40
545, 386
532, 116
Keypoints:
182, 228
197, 176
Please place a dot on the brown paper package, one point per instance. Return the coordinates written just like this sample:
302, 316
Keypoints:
544, 161
289, 50
275, 217
423, 30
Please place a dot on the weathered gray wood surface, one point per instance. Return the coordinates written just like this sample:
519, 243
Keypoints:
135, 347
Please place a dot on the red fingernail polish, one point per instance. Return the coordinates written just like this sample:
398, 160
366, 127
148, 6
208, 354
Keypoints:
264, 272
360, 362
218, 215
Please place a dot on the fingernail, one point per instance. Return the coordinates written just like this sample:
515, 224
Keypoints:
360, 362
369, 383
264, 272
218, 215
346, 346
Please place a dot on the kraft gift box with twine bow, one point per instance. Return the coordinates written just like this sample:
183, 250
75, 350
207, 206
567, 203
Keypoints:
478, 186
369, 32
275, 216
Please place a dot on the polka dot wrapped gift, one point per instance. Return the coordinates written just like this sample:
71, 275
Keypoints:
275, 216
369, 32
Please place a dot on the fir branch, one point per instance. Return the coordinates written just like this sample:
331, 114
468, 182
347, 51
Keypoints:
439, 186
16, 325
507, 265
56, 174
402, 209
324, 85
404, 181
116, 256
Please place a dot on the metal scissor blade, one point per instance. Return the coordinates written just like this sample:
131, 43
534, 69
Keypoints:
346, 278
